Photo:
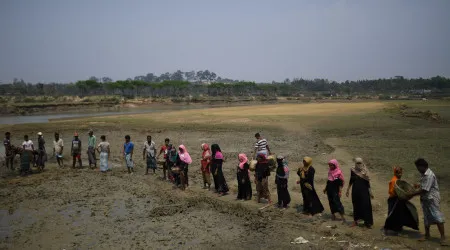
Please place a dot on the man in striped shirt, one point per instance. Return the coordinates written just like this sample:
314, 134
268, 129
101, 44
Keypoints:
430, 200
261, 146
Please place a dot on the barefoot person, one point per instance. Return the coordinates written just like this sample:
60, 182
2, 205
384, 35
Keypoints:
243, 179
281, 180
92, 144
361, 194
220, 183
400, 212
103, 149
10, 152
75, 150
41, 152
149, 153
262, 173
164, 150
430, 199
58, 147
333, 189
183, 164
311, 201
28, 145
205, 165
128, 148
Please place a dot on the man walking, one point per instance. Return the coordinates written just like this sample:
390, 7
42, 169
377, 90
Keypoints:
76, 150
58, 146
149, 152
261, 146
430, 199
10, 153
92, 143
128, 148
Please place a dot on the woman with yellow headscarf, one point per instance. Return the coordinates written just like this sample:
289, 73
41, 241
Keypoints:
311, 201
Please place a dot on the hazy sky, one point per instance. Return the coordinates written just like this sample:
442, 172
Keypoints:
260, 40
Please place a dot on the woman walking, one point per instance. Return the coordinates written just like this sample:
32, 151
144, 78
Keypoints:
361, 194
333, 189
220, 183
400, 212
104, 151
281, 180
41, 152
262, 173
311, 201
205, 164
183, 164
243, 179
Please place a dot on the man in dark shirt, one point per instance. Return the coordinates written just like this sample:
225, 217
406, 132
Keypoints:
9, 151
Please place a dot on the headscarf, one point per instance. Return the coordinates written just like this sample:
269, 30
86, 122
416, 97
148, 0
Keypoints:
242, 160
263, 158
184, 155
216, 152
397, 170
282, 169
304, 169
335, 173
360, 169
206, 151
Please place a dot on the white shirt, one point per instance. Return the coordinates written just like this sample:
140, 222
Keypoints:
58, 145
28, 145
150, 148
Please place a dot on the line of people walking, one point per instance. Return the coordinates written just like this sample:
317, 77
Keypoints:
176, 162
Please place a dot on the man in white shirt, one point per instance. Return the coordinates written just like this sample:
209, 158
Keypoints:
261, 146
149, 152
58, 146
28, 146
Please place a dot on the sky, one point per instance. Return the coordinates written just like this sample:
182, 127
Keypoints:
255, 40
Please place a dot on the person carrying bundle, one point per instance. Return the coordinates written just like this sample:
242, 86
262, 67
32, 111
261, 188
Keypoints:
400, 211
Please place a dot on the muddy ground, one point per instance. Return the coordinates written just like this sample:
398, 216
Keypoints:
84, 209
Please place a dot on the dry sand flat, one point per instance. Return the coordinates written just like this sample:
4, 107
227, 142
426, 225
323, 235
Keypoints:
82, 209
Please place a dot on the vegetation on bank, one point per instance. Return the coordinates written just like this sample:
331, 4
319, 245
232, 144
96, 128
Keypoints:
205, 83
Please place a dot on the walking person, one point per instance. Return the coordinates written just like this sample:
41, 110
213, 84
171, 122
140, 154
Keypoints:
400, 212
204, 166
281, 180
10, 151
262, 173
172, 156
361, 194
26, 158
164, 150
333, 189
128, 148
261, 146
28, 145
311, 201
220, 183
183, 164
58, 147
92, 143
103, 149
41, 153
243, 179
149, 153
430, 200
75, 151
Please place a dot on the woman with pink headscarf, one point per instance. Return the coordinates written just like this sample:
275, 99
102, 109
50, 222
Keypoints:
243, 179
184, 159
333, 189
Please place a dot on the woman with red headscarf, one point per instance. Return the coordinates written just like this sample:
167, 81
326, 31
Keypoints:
243, 179
333, 189
205, 162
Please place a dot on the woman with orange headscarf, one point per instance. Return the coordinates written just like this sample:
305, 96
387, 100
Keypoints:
205, 164
400, 212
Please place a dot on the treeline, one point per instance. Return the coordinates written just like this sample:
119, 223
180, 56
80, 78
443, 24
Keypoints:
182, 84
